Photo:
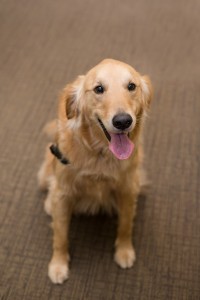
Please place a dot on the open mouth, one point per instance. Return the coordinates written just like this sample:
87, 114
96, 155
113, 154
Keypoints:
104, 130
119, 143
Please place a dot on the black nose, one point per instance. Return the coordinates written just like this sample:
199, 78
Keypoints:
122, 121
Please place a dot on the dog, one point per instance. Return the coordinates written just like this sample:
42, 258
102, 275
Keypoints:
95, 160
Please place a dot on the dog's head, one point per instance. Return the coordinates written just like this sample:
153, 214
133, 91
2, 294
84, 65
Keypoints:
111, 99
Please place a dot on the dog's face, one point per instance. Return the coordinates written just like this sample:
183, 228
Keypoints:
112, 97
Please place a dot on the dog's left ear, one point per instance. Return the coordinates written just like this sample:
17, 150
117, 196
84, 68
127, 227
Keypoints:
147, 90
72, 94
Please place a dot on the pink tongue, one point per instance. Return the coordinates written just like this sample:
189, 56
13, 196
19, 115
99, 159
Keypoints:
120, 145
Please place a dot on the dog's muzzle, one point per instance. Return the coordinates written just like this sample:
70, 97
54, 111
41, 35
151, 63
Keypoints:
104, 129
119, 143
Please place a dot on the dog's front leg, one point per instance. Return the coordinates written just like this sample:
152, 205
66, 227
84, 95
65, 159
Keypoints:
61, 214
124, 251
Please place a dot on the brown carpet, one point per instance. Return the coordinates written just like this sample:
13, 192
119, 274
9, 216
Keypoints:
43, 45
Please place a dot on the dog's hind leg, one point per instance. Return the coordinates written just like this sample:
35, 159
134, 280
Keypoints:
48, 203
45, 171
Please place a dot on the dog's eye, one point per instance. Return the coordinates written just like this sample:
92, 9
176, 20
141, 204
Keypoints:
131, 86
99, 89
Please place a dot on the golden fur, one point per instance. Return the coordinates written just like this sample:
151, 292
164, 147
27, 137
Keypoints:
95, 179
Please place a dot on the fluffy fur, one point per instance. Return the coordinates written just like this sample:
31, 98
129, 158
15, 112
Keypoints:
95, 179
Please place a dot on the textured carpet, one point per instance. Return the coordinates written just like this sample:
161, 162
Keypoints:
43, 45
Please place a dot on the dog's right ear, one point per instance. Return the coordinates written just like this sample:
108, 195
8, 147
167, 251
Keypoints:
72, 97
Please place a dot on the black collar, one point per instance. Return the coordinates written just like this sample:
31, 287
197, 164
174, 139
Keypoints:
56, 152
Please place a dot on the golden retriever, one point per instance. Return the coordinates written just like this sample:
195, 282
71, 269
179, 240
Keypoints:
96, 156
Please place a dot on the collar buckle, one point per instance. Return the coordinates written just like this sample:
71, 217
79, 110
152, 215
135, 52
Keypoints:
56, 152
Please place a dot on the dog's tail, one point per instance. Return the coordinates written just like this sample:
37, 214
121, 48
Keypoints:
50, 129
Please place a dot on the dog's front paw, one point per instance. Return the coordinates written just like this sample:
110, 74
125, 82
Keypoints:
58, 272
125, 257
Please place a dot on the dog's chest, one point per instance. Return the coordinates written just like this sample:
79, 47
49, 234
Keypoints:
95, 185
93, 193
95, 182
